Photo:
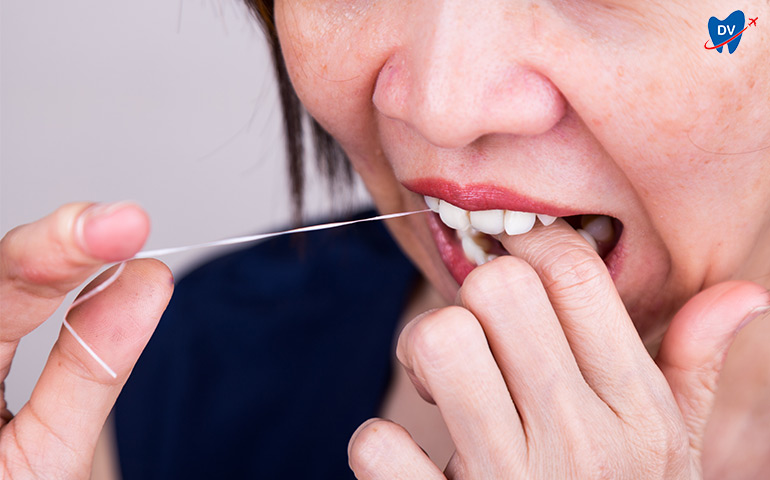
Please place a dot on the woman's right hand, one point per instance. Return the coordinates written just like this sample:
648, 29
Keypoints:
55, 433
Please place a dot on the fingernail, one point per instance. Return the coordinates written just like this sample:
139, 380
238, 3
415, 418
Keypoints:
752, 315
92, 218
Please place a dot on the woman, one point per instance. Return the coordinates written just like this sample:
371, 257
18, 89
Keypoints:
579, 355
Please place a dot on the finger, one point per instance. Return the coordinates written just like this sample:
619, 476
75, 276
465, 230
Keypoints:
449, 357
696, 344
600, 333
383, 450
44, 260
528, 344
74, 394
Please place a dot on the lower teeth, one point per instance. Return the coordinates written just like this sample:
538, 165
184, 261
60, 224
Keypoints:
475, 252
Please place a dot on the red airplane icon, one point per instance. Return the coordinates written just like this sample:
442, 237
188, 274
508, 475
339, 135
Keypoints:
753, 21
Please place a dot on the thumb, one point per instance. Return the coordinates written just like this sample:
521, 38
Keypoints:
696, 344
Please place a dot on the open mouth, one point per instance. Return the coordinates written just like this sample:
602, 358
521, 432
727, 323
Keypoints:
466, 239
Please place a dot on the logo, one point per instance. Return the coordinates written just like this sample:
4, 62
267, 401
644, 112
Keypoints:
728, 31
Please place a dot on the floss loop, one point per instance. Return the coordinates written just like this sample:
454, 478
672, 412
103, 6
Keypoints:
102, 286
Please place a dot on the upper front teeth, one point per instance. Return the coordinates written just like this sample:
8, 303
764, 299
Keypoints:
432, 202
517, 223
492, 222
454, 217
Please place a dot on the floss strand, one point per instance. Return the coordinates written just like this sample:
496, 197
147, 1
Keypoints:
228, 241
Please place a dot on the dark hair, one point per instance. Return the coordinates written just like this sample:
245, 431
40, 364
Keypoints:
331, 159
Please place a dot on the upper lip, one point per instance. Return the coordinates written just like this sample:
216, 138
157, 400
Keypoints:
474, 197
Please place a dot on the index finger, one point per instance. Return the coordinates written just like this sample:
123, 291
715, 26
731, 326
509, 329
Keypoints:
600, 332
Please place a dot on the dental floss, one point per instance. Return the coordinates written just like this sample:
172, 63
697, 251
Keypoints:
262, 236
228, 241
82, 299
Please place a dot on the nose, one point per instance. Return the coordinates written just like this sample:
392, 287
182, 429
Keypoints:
463, 74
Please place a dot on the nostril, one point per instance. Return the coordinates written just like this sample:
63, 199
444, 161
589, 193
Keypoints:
391, 89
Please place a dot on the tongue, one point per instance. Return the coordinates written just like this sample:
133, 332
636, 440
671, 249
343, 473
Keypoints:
604, 230
599, 226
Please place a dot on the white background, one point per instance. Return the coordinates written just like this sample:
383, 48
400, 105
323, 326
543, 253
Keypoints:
170, 103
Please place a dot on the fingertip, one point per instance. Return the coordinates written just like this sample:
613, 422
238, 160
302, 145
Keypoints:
358, 431
112, 232
162, 274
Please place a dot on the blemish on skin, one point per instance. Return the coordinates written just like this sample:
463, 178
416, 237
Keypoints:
621, 71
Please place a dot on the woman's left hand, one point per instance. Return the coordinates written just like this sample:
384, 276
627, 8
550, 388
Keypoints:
540, 373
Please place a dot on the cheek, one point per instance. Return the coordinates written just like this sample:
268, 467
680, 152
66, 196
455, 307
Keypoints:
697, 166
333, 52
668, 123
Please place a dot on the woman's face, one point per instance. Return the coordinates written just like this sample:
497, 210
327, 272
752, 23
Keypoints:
570, 107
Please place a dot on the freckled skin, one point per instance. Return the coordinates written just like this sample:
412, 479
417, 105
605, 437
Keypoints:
637, 128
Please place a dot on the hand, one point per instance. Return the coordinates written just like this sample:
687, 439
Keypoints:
540, 374
55, 433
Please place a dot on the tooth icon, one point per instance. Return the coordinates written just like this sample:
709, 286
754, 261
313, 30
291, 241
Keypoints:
727, 32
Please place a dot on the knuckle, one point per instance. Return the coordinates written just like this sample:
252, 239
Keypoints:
596, 464
501, 276
659, 440
572, 274
593, 455
436, 337
665, 435
593, 445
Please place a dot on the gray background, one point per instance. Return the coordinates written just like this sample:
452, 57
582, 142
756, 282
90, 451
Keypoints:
170, 103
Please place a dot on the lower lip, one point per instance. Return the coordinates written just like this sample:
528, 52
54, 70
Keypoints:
450, 249
459, 266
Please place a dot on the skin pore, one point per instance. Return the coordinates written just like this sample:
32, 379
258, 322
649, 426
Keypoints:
590, 107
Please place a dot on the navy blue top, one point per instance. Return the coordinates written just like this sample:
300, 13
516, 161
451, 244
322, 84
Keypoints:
267, 360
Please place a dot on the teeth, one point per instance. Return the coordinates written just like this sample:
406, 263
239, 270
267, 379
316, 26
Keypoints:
491, 222
453, 217
470, 226
432, 203
517, 223
589, 238
473, 251
599, 226
546, 219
